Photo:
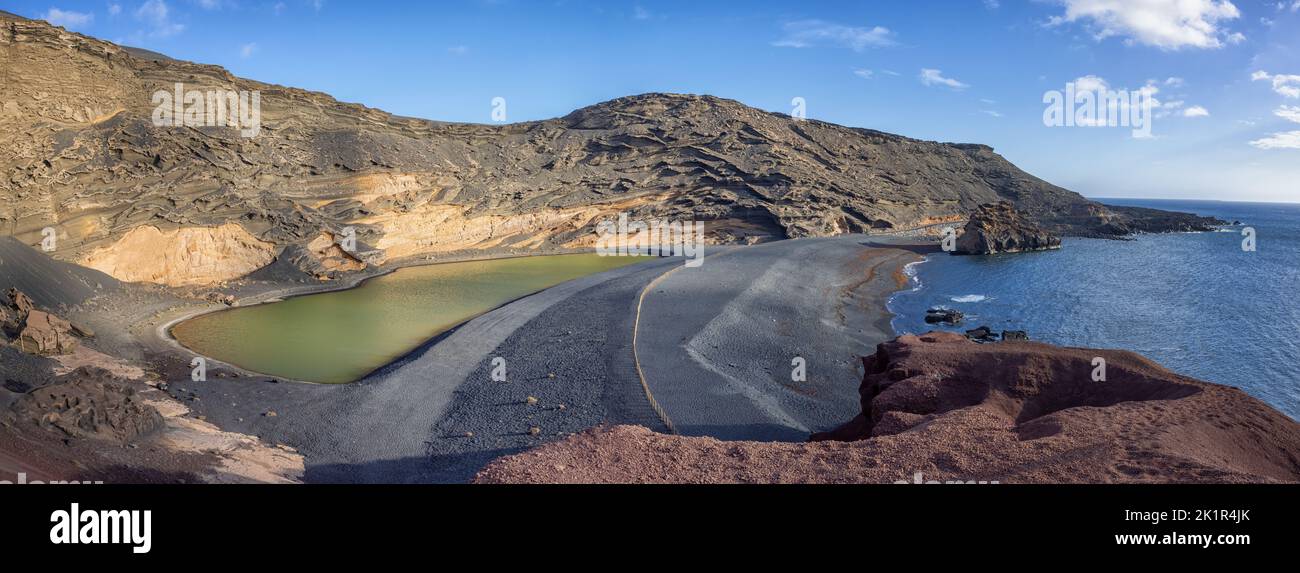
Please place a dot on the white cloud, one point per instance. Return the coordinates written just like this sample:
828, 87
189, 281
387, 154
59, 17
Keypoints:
864, 74
992, 4
158, 16
990, 112
247, 50
1175, 82
1196, 111
1090, 83
67, 18
1287, 85
1284, 140
808, 33
1165, 24
1288, 112
114, 9
932, 77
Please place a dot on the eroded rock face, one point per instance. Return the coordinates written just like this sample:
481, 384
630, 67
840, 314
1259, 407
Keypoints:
79, 152
90, 403
184, 256
1001, 228
948, 409
45, 334
35, 331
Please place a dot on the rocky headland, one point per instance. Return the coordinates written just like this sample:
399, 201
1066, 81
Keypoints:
1001, 228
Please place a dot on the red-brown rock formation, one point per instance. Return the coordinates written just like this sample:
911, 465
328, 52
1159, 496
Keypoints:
939, 407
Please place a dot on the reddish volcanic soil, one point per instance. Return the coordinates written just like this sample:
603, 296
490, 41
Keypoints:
953, 410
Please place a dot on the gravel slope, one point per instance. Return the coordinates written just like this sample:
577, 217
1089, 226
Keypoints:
717, 342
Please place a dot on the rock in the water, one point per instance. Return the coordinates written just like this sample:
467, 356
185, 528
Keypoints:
1014, 335
943, 315
982, 334
1000, 228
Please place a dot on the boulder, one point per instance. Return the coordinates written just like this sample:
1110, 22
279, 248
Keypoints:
1014, 335
982, 334
46, 335
90, 403
1000, 228
943, 316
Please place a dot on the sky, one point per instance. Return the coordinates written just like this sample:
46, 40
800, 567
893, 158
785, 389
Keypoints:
1223, 75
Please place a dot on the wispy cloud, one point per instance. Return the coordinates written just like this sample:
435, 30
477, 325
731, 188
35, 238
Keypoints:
1288, 112
931, 77
1287, 85
864, 74
1283, 140
247, 50
157, 15
809, 33
68, 19
1165, 24
1196, 111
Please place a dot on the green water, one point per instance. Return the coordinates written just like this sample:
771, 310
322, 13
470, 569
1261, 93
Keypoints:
341, 336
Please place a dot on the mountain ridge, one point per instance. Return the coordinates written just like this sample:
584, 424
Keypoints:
80, 153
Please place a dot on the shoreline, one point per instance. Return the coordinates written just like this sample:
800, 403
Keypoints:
163, 332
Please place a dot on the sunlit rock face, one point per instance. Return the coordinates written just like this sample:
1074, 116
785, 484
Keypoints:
82, 154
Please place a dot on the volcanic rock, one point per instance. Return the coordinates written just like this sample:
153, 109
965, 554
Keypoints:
982, 334
36, 331
1001, 228
953, 410
90, 403
943, 315
45, 334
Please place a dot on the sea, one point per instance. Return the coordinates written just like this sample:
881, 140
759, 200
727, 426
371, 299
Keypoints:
1200, 304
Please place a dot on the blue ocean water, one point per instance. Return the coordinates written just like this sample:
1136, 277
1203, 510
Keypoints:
1197, 303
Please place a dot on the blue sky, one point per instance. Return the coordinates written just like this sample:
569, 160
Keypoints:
1226, 73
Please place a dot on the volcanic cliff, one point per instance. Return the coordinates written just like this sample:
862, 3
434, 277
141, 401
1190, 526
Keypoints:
81, 154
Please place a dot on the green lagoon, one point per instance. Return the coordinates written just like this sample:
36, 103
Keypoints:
338, 337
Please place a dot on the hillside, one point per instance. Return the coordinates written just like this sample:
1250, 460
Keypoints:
79, 152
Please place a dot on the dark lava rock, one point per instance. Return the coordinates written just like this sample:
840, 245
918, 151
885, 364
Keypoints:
943, 315
982, 334
1000, 228
90, 403
1014, 335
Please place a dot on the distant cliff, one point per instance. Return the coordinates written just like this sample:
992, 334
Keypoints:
80, 153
